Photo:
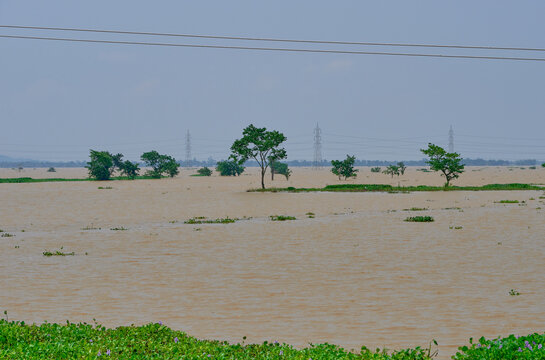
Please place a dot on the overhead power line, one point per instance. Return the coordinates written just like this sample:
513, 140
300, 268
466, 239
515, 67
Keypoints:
322, 51
300, 41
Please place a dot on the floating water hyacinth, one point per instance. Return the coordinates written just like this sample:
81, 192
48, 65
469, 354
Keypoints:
108, 352
176, 340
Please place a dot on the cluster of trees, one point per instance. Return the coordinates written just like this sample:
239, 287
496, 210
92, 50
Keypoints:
449, 164
103, 165
263, 147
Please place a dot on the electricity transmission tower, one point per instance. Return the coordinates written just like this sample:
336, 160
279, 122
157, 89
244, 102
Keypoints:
451, 140
188, 149
317, 162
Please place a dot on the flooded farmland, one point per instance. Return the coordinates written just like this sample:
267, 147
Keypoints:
354, 274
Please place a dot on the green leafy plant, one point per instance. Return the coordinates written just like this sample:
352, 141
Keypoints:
51, 169
447, 163
344, 168
513, 292
121, 228
419, 219
507, 202
5, 234
229, 168
105, 187
261, 145
375, 169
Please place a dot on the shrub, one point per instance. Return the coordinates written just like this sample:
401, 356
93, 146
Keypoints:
204, 171
375, 169
229, 168
51, 169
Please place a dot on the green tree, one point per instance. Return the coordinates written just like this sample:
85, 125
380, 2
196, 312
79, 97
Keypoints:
447, 163
160, 164
229, 168
344, 168
392, 170
130, 169
101, 165
261, 145
278, 167
402, 167
204, 171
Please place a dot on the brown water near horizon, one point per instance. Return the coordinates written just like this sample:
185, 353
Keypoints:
354, 275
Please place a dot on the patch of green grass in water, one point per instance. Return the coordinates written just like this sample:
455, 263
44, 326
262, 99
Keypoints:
203, 220
416, 209
281, 217
507, 202
58, 253
419, 219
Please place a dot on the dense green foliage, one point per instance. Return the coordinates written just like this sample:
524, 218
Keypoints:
344, 168
204, 171
101, 165
511, 347
261, 145
375, 169
51, 169
543, 165
278, 167
156, 341
160, 164
419, 219
129, 169
440, 160
396, 189
229, 168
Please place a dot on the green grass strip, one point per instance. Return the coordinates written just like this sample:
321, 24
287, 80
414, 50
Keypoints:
404, 189
32, 180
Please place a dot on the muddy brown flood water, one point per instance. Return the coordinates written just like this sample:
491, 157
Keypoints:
354, 275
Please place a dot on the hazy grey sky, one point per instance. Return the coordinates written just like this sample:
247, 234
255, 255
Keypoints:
59, 99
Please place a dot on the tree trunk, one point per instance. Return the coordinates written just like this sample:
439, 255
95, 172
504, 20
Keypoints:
272, 173
263, 178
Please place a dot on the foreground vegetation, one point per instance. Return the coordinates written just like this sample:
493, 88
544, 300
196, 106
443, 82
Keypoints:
397, 189
155, 341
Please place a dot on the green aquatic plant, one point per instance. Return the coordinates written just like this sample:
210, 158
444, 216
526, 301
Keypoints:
419, 219
19, 340
281, 217
204, 220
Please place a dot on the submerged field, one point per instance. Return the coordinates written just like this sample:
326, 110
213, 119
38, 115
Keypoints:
354, 273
